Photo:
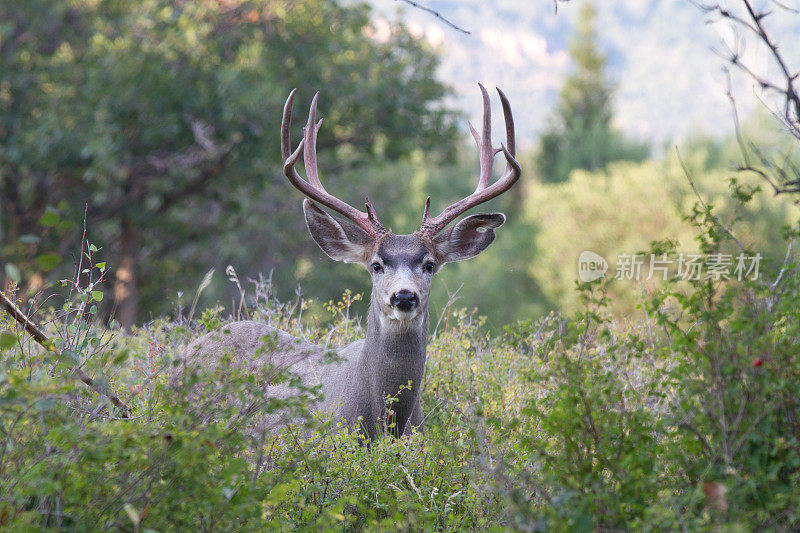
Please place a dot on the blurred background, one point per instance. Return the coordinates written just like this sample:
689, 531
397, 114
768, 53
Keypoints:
157, 124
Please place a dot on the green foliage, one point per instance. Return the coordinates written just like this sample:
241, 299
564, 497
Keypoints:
187, 461
681, 415
160, 122
581, 423
736, 361
596, 212
580, 134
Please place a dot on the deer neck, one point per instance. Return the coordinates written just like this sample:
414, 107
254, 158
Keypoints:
393, 355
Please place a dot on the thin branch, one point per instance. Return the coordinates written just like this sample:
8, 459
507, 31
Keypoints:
737, 127
39, 336
451, 299
785, 7
789, 182
703, 203
555, 5
753, 22
435, 14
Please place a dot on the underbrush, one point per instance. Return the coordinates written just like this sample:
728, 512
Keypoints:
685, 418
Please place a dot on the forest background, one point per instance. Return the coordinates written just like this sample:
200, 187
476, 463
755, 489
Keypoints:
142, 203
158, 125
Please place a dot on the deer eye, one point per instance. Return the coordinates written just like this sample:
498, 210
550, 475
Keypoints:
429, 266
376, 267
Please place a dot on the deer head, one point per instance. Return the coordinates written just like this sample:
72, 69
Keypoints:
402, 266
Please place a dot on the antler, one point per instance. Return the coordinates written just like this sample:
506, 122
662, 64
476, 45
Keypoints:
486, 153
313, 187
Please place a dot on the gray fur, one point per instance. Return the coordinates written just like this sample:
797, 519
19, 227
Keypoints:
380, 365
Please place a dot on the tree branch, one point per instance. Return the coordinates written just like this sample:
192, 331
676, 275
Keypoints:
704, 204
435, 14
205, 152
782, 176
787, 88
39, 336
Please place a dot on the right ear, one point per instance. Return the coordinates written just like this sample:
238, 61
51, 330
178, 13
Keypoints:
339, 239
469, 237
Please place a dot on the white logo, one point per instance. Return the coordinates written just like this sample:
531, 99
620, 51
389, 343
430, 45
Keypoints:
591, 266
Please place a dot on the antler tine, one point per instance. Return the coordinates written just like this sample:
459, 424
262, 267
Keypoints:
313, 187
486, 152
310, 138
484, 142
286, 126
509, 118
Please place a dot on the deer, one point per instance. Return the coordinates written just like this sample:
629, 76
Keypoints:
390, 361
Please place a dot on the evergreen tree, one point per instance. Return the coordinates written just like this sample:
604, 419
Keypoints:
580, 134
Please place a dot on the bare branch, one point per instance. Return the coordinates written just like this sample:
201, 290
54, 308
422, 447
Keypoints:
555, 5
736, 124
435, 14
782, 176
787, 87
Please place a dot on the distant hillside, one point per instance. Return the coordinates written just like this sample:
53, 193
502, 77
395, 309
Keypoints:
670, 82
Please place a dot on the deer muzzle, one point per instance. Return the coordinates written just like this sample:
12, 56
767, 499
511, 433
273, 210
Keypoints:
404, 300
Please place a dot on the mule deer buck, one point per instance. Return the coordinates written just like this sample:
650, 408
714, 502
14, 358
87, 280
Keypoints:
402, 267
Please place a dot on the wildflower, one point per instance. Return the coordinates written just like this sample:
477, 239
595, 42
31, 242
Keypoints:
758, 362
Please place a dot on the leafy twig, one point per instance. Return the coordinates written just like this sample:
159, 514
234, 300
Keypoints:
39, 336
703, 203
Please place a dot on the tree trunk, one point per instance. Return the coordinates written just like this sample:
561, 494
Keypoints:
126, 288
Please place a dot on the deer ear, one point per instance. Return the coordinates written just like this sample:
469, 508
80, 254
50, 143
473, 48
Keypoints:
339, 239
469, 237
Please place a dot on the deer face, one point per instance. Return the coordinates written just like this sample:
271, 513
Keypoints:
402, 266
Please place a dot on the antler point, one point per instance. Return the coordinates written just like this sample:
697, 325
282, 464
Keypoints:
427, 213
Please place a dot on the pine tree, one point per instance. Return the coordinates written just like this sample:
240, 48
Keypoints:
580, 134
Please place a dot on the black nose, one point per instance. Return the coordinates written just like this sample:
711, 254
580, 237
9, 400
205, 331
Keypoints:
404, 300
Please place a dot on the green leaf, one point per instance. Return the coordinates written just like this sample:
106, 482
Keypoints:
7, 340
97, 296
48, 261
49, 218
45, 405
71, 356
121, 357
13, 272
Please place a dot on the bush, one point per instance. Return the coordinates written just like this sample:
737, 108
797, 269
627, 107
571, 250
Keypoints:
683, 418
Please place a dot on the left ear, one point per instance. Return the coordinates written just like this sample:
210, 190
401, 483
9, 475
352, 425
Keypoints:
469, 237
